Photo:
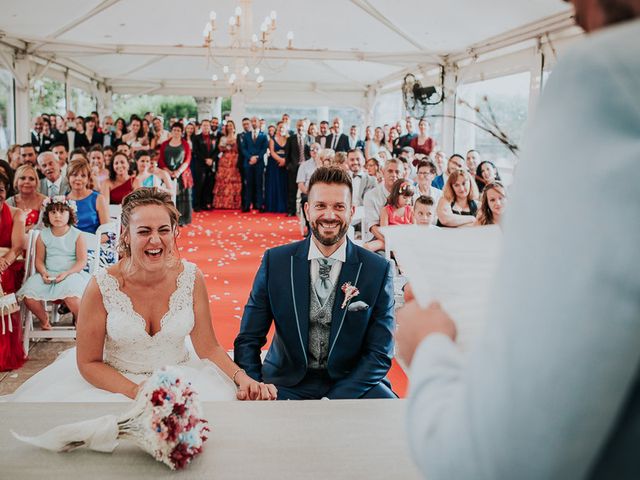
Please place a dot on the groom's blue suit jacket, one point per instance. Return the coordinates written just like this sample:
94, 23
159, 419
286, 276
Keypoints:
361, 342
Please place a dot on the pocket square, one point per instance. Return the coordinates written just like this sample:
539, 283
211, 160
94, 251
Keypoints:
357, 306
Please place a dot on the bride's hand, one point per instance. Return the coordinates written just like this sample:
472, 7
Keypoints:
249, 389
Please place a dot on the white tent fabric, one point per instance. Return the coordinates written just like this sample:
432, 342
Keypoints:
340, 47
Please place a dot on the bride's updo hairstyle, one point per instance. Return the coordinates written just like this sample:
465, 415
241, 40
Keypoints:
142, 197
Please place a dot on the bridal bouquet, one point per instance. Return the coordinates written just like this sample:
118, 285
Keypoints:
165, 420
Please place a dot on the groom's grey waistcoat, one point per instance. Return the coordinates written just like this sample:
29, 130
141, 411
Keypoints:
319, 328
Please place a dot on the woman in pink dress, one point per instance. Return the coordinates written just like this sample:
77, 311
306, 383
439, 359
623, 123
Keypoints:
228, 188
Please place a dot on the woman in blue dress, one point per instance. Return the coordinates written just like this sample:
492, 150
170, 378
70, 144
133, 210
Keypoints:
276, 175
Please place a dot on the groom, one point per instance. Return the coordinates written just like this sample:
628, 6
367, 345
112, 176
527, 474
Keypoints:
325, 345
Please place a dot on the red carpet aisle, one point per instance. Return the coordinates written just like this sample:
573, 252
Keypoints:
228, 247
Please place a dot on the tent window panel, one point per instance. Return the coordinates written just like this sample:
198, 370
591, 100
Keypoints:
7, 111
47, 96
507, 98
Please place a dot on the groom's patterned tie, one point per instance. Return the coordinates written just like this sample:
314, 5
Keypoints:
323, 284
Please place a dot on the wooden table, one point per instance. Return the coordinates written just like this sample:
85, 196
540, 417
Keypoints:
350, 439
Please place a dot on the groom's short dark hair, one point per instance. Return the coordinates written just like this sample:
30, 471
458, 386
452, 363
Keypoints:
331, 175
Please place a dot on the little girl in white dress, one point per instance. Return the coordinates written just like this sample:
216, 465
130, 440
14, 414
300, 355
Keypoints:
61, 255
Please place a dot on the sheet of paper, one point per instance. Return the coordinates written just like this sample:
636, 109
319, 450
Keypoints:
454, 266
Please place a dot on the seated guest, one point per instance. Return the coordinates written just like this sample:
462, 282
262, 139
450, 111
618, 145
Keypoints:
456, 162
423, 143
120, 182
373, 145
458, 207
439, 159
27, 154
160, 135
62, 154
361, 181
410, 156
122, 148
80, 139
326, 156
354, 141
13, 156
426, 174
486, 173
424, 211
340, 161
93, 136
61, 255
53, 183
12, 243
330, 342
405, 140
373, 169
108, 153
408, 169
397, 211
472, 161
491, 204
98, 168
5, 168
136, 139
148, 173
79, 154
376, 198
28, 198
92, 210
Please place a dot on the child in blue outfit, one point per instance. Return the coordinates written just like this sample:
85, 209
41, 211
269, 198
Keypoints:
61, 255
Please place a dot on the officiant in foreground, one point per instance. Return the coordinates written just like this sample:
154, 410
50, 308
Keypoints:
332, 304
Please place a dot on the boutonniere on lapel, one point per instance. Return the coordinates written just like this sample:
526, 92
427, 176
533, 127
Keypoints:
350, 291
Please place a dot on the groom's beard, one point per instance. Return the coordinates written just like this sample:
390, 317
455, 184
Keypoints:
327, 241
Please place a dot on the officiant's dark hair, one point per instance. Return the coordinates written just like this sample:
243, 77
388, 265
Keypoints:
331, 175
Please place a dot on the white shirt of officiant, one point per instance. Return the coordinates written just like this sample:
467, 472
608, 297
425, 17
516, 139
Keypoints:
340, 255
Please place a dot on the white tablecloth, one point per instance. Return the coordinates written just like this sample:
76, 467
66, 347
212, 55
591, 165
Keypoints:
351, 439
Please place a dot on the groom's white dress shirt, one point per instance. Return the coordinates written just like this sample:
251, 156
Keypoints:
540, 395
340, 256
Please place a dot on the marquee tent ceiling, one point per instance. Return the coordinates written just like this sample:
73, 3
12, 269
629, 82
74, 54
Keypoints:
144, 46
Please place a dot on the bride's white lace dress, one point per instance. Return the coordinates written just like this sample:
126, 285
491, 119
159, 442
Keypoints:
132, 351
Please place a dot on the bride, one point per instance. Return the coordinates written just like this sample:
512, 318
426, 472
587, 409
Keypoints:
136, 316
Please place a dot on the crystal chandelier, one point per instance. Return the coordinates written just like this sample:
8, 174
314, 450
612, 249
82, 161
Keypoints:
244, 70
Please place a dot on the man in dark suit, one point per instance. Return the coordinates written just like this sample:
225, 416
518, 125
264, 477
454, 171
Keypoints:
205, 149
246, 127
108, 132
354, 141
324, 131
405, 140
337, 141
296, 151
254, 147
41, 137
334, 314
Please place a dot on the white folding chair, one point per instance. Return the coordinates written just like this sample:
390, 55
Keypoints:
115, 211
94, 242
57, 331
174, 192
